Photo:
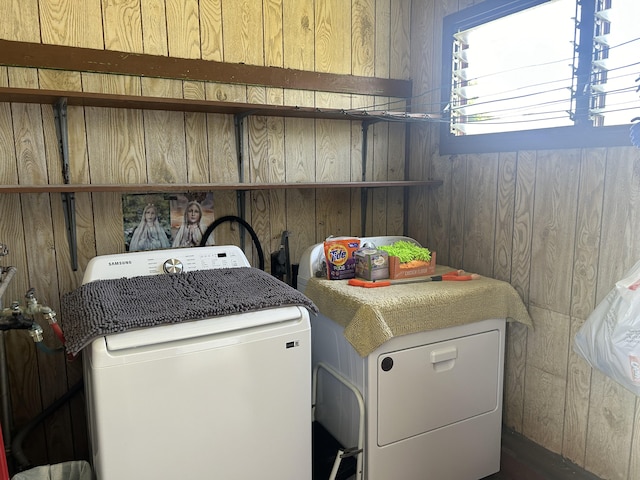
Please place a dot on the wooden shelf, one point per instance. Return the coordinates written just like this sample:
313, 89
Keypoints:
196, 187
103, 100
61, 99
108, 100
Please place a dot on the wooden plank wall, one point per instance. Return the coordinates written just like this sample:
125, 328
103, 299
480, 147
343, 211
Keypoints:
562, 228
362, 37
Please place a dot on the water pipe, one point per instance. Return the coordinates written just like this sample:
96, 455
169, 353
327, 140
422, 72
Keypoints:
16, 445
7, 274
12, 318
5, 399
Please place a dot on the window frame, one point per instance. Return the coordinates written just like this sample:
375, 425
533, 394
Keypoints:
576, 136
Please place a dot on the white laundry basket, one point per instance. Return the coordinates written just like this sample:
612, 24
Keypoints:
75, 470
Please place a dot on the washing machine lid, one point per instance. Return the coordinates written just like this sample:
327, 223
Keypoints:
228, 324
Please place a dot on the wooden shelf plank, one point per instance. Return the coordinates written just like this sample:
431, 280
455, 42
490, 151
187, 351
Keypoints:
50, 97
194, 187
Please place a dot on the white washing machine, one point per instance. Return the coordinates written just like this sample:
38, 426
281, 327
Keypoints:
432, 400
225, 397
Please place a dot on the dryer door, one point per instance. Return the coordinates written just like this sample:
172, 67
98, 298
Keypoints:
432, 386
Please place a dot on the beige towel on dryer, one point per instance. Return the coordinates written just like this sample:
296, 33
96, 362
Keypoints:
371, 316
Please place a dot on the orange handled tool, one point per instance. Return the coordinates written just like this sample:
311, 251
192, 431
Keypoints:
456, 276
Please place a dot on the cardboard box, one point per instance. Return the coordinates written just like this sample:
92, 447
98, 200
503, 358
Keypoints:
372, 264
411, 269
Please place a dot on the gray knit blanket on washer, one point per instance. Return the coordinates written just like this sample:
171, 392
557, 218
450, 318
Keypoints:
104, 307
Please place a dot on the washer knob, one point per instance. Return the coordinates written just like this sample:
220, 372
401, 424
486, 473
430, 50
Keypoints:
173, 265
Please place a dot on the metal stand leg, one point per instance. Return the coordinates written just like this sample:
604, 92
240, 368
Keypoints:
341, 453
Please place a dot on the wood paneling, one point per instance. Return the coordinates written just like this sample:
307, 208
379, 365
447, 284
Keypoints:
197, 151
523, 181
20, 21
211, 30
379, 171
554, 220
435, 228
164, 135
333, 163
399, 50
273, 33
562, 236
116, 146
299, 24
514, 376
621, 217
544, 408
363, 37
242, 25
479, 210
576, 412
610, 429
122, 25
333, 40
382, 51
634, 465
523, 223
588, 228
74, 24
505, 205
396, 170
118, 48
548, 349
299, 148
183, 28
538, 219
154, 27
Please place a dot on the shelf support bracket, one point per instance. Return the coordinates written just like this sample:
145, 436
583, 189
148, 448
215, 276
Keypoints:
68, 198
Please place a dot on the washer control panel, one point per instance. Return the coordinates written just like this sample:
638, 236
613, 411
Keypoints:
170, 261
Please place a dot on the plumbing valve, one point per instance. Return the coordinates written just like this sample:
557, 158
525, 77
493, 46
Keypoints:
15, 317
37, 335
12, 318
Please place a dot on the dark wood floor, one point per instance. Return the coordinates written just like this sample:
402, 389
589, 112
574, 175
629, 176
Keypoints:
521, 459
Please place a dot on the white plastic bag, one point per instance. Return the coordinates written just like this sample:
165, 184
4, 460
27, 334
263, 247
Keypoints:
73, 470
609, 340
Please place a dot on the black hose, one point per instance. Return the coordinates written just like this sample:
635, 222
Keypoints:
49, 351
233, 218
16, 445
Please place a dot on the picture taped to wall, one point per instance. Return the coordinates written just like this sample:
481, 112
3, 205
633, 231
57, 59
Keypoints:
147, 221
191, 214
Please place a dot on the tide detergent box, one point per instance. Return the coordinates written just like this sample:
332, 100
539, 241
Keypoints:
340, 255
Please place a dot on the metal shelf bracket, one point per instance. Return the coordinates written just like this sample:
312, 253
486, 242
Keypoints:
68, 198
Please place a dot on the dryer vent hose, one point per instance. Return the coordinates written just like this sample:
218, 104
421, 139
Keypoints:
233, 218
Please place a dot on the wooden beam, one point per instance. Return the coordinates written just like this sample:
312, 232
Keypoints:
60, 57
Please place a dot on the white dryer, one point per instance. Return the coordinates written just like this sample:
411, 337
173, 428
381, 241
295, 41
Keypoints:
432, 400
225, 397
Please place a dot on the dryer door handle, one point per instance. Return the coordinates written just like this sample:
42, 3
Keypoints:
443, 355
